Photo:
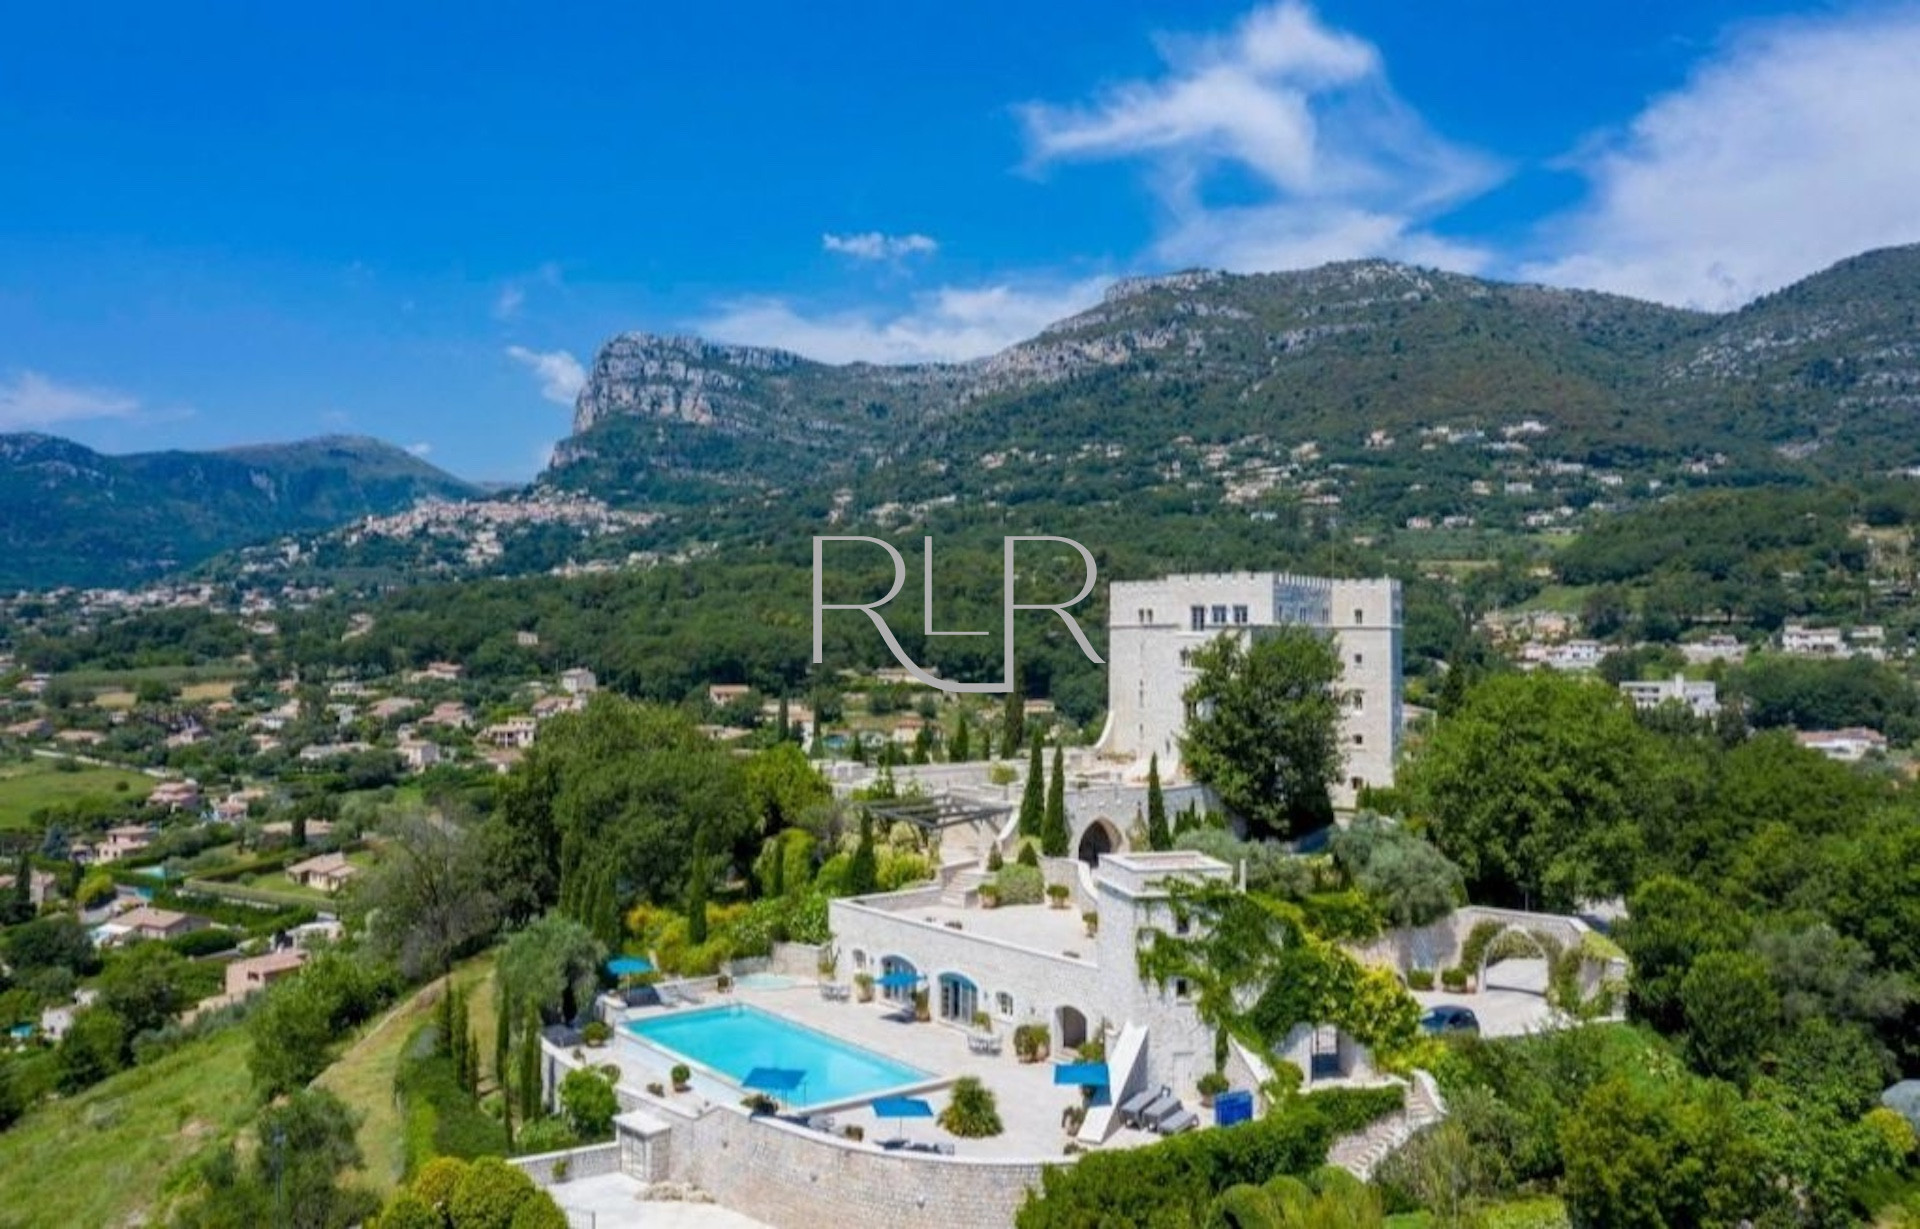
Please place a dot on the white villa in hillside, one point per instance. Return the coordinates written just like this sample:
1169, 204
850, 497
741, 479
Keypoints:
1154, 626
1701, 698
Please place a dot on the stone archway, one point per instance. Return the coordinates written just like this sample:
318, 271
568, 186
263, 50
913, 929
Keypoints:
1099, 838
1527, 957
1070, 1028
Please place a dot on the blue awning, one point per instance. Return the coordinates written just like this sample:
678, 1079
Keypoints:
629, 966
774, 1079
901, 1107
1086, 1075
898, 980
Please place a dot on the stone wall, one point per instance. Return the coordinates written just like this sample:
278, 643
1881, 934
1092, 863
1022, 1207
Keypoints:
592, 1161
793, 1178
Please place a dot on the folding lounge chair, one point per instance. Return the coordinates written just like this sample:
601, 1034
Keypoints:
1184, 1120
1131, 1108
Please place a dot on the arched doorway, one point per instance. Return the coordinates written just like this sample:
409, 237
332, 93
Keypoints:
1070, 1026
959, 998
1523, 959
1100, 837
890, 965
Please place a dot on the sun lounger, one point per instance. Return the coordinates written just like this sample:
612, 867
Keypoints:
821, 1122
1162, 1107
1132, 1107
1184, 1120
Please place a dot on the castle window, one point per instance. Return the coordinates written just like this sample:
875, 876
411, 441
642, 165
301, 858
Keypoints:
1359, 658
1239, 614
1357, 784
1359, 739
1359, 616
1219, 616
1003, 1003
1197, 616
1180, 988
1359, 701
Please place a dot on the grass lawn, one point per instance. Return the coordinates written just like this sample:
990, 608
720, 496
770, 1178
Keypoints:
101, 1158
363, 1074
26, 787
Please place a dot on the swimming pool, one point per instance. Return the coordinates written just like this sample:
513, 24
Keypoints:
734, 1039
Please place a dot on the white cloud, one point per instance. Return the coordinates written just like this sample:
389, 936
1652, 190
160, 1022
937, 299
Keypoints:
512, 297
1790, 148
560, 374
1340, 165
873, 245
29, 399
420, 450
946, 325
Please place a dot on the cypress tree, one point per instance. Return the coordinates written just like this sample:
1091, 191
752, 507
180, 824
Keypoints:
1033, 800
23, 886
502, 1047
1159, 836
958, 751
457, 1036
1013, 722
699, 874
443, 1021
527, 1075
1053, 828
923, 745
786, 730
817, 749
863, 872
470, 1076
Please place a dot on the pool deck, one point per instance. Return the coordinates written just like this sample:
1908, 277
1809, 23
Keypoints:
1030, 1104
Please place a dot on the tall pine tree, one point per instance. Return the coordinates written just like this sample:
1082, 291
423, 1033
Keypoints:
1013, 722
1159, 836
1033, 801
863, 872
1053, 826
958, 751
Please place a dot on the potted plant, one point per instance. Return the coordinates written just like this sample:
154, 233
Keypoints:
1454, 979
1211, 1085
981, 1022
855, 1132
1031, 1042
596, 1034
863, 987
682, 1077
760, 1103
1091, 918
921, 1010
723, 983
1057, 894
989, 896
657, 1089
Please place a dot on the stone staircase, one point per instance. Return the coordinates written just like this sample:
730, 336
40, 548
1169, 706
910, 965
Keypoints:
961, 887
1361, 1153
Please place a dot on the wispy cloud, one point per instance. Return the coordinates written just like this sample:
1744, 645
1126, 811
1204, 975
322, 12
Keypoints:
29, 399
420, 450
511, 300
945, 325
873, 245
560, 374
1341, 166
1789, 148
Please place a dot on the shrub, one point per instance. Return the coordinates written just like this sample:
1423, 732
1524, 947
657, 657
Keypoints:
922, 1009
590, 1105
442, 1117
1454, 978
1354, 1109
1163, 1183
1092, 920
971, 1112
1020, 884
1029, 854
989, 895
863, 986
407, 1210
1212, 1084
1479, 939
994, 860
203, 942
489, 1194
657, 1089
550, 1134
981, 1021
680, 1075
1031, 1042
1523, 1214
539, 1212
1420, 979
597, 1033
1057, 894
437, 1179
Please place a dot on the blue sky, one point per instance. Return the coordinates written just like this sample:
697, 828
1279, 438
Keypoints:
224, 223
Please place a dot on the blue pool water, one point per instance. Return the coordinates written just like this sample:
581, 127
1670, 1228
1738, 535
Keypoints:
734, 1039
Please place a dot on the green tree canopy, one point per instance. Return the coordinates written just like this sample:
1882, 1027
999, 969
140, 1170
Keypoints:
1266, 727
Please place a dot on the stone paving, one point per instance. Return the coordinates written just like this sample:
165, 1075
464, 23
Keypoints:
1030, 1104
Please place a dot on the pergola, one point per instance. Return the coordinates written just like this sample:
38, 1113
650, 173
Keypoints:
941, 811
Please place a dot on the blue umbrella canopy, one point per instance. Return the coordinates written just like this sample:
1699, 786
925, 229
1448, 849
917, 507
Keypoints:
1086, 1075
629, 966
898, 980
776, 1080
901, 1107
